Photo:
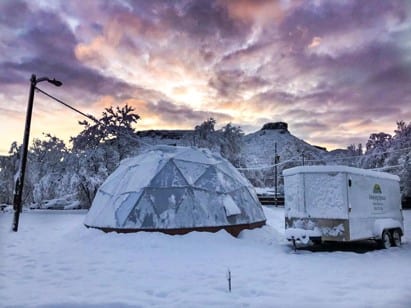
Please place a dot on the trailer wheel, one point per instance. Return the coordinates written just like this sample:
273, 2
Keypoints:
316, 241
396, 237
386, 239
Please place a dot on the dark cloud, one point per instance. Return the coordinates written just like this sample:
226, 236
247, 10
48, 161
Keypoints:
9, 74
172, 113
49, 44
202, 19
362, 78
303, 114
231, 83
342, 139
87, 84
333, 17
13, 13
276, 96
313, 125
394, 75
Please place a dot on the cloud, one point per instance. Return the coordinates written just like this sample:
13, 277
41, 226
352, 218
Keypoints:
167, 112
260, 11
202, 19
235, 83
319, 65
50, 45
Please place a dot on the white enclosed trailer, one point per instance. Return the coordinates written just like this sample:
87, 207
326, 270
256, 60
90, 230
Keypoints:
340, 203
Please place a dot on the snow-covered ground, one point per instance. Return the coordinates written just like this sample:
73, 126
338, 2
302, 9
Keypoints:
54, 261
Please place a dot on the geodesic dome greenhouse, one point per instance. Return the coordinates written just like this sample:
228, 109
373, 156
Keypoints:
175, 190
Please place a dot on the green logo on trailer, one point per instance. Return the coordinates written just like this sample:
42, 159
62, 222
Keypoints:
377, 189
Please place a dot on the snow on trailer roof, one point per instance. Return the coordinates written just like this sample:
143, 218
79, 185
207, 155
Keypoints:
338, 168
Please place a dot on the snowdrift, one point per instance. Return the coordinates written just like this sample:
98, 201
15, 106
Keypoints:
175, 190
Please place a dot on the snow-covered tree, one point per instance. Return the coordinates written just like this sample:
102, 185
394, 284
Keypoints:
47, 155
114, 127
354, 150
227, 141
46, 168
391, 154
8, 167
100, 147
400, 156
204, 134
231, 143
377, 147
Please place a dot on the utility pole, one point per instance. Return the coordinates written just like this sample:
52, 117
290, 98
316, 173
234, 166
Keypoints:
18, 189
302, 156
276, 161
19, 182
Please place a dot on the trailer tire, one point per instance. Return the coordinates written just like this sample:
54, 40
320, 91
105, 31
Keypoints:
396, 237
386, 239
316, 242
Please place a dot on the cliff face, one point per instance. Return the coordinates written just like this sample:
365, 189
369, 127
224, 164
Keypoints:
258, 147
258, 154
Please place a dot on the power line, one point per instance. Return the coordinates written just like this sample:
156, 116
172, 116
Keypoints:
358, 156
379, 153
325, 160
386, 168
68, 106
110, 128
292, 159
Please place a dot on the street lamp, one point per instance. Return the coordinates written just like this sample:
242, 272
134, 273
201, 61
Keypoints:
19, 180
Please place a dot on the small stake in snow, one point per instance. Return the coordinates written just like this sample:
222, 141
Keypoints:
229, 280
294, 244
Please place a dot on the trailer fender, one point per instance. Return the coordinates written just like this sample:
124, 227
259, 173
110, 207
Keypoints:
386, 224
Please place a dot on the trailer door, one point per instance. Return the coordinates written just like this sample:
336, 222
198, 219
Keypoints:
360, 207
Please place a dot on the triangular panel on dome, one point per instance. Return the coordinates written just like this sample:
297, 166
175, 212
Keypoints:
231, 170
191, 170
215, 180
184, 217
125, 203
143, 215
126, 179
169, 176
166, 220
94, 215
196, 155
211, 204
111, 185
165, 198
138, 177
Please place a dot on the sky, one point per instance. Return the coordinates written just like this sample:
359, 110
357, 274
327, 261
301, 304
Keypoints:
335, 71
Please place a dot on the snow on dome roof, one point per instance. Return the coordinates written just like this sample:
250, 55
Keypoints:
175, 190
336, 168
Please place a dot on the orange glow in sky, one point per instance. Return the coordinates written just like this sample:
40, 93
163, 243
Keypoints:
336, 72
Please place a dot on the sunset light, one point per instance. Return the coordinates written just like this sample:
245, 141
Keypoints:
337, 67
